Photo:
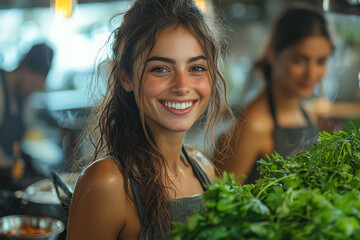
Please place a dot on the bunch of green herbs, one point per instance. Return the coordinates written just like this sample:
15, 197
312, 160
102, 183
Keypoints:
312, 195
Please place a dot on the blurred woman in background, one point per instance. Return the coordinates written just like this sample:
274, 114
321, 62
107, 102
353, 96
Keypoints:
294, 62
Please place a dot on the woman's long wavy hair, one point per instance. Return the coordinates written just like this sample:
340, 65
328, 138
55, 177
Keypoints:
295, 23
118, 126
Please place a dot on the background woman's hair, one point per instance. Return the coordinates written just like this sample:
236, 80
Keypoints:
118, 126
295, 23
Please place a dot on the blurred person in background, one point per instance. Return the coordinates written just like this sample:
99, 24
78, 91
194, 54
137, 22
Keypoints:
294, 62
15, 89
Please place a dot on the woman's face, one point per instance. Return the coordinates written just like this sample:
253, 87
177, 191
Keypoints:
298, 68
176, 85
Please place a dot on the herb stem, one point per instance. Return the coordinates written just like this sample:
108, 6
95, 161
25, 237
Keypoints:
272, 183
341, 151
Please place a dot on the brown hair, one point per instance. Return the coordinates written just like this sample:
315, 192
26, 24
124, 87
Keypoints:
119, 127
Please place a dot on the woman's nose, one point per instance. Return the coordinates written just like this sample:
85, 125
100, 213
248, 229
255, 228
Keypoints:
180, 84
312, 71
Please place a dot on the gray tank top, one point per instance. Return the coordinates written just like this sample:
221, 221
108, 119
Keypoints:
180, 207
288, 141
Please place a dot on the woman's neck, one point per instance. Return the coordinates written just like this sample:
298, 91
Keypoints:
285, 101
170, 146
288, 111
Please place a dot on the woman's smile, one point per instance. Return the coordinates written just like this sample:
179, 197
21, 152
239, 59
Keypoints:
178, 107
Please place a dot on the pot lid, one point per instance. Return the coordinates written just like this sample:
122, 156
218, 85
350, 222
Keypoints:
43, 191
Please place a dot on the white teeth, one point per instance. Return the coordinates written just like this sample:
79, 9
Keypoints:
178, 106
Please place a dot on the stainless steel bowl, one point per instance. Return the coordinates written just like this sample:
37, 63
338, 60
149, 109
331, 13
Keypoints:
14, 222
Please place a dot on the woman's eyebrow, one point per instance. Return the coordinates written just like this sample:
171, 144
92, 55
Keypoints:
172, 61
306, 57
162, 59
201, 57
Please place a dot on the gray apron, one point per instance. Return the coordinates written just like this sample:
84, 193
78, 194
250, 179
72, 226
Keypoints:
288, 141
181, 207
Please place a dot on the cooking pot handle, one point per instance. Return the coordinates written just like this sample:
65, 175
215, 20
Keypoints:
58, 183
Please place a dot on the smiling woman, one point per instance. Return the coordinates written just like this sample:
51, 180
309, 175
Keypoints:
176, 74
163, 76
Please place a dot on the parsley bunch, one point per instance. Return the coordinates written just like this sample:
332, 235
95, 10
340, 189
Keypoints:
312, 195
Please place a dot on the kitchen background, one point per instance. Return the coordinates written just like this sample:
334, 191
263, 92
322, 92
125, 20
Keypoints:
59, 113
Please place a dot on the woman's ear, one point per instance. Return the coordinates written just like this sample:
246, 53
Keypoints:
125, 81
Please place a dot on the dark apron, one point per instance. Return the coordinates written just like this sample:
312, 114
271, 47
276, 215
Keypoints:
287, 141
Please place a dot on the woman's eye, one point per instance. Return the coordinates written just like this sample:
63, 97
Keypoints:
198, 69
322, 62
159, 70
298, 60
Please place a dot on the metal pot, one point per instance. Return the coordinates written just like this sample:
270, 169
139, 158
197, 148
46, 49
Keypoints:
43, 198
10, 227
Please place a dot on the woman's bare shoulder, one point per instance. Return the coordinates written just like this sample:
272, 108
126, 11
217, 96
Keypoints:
100, 201
256, 118
102, 183
103, 173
